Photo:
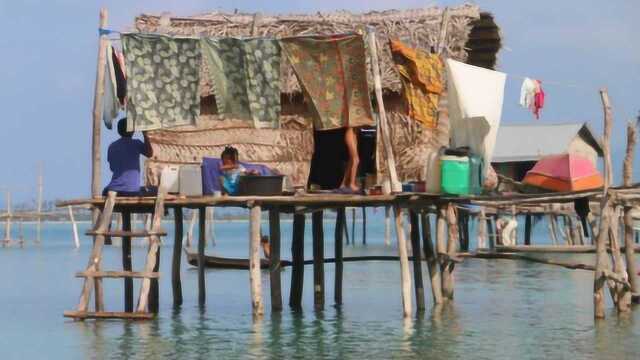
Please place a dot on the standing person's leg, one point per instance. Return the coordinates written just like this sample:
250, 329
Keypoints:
351, 172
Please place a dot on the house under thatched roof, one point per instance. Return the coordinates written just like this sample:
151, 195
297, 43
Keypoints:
471, 36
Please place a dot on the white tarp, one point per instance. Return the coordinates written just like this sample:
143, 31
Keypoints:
475, 107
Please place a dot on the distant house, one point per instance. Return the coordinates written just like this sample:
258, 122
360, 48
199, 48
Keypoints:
520, 146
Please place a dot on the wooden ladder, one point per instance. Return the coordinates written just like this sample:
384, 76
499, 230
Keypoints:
93, 275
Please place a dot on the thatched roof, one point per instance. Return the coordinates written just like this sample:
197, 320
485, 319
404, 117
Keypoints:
471, 35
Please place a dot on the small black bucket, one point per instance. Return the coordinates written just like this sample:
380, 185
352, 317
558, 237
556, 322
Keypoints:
254, 185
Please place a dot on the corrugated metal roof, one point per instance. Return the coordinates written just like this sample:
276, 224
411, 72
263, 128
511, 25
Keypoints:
526, 142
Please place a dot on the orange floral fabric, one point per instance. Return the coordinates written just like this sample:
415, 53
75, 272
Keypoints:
421, 76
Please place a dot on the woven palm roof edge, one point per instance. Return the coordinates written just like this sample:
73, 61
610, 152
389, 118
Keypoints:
419, 28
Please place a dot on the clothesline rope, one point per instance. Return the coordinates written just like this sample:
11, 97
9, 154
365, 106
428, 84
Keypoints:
369, 29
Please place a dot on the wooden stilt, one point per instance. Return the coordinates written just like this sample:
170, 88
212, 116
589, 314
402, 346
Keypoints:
364, 225
147, 292
341, 219
482, 229
452, 243
432, 261
97, 108
346, 228
603, 229
254, 262
297, 257
527, 229
387, 226
405, 276
192, 224
417, 260
353, 226
318, 259
627, 179
202, 216
275, 268
126, 262
176, 283
491, 234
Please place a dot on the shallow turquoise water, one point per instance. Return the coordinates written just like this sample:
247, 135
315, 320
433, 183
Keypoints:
502, 309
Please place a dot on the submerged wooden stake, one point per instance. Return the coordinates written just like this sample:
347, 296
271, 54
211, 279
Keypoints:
341, 220
275, 268
417, 260
254, 262
297, 257
176, 283
432, 260
405, 276
387, 225
452, 243
202, 216
318, 259
126, 262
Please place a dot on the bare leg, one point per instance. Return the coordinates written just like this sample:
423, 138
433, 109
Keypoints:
351, 172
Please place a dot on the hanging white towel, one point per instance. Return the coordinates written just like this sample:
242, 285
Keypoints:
528, 93
110, 104
475, 97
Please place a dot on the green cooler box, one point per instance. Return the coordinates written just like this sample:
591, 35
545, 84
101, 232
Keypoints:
455, 174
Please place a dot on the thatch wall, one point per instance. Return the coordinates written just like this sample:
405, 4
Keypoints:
471, 36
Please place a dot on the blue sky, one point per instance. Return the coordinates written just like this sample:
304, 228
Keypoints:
49, 52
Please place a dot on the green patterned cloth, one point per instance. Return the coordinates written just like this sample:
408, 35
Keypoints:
246, 78
333, 74
163, 77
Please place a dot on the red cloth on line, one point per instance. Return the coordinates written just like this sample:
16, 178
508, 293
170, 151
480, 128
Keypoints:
538, 102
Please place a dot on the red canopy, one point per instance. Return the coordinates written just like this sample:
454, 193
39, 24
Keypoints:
566, 172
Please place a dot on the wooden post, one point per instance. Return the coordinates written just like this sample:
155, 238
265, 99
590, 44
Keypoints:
452, 243
432, 260
97, 108
318, 259
210, 226
341, 219
176, 283
74, 227
192, 225
417, 260
39, 205
297, 257
364, 225
346, 227
482, 229
7, 227
202, 216
353, 226
491, 234
387, 226
627, 179
405, 276
126, 262
275, 267
148, 293
527, 229
603, 229
254, 262
383, 126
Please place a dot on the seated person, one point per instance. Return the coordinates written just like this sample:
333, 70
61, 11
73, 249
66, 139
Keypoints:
231, 170
124, 161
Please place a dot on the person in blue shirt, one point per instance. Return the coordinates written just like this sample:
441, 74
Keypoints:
124, 161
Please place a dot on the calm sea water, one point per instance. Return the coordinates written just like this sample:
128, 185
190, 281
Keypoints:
503, 309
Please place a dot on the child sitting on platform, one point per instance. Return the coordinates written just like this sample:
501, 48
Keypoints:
231, 170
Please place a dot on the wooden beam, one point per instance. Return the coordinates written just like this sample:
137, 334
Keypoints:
255, 280
118, 275
97, 108
202, 218
417, 260
297, 257
176, 282
341, 220
317, 225
275, 267
405, 276
127, 262
74, 227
